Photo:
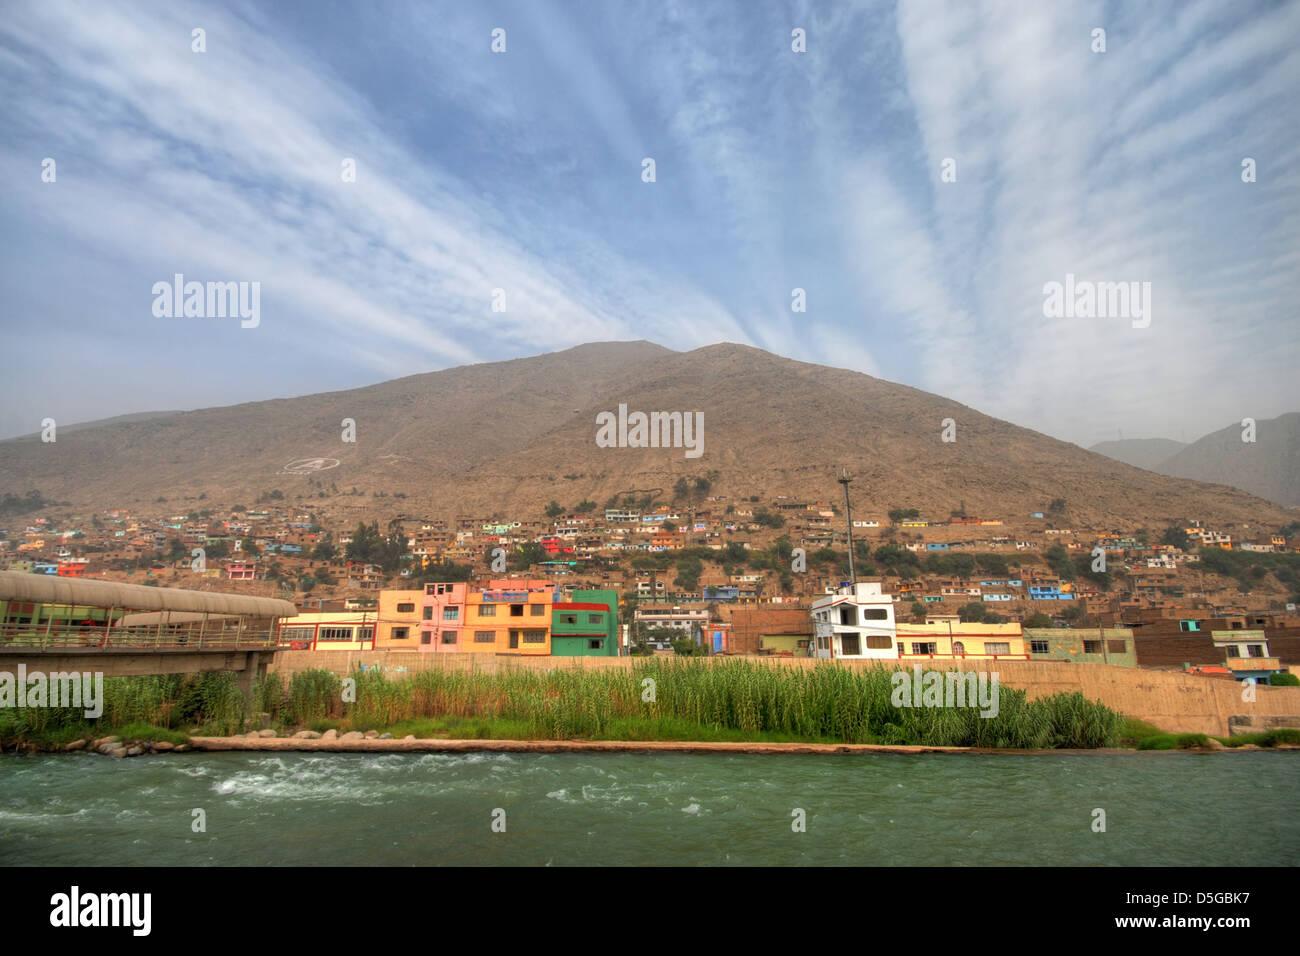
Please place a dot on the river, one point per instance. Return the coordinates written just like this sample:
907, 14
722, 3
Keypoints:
636, 809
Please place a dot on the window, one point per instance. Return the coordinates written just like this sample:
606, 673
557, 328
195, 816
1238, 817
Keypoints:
879, 642
428, 612
848, 615
405, 607
1254, 650
569, 619
924, 647
534, 637
336, 634
537, 610
485, 637
1039, 647
486, 610
296, 633
1092, 647
875, 614
426, 637
594, 619
516, 610
959, 648
596, 644
367, 633
451, 613
449, 637
1186, 626
401, 633
997, 647
1117, 647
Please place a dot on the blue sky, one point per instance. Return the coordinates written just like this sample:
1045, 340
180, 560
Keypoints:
775, 170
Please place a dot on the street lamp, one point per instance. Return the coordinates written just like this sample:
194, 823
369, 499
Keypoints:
844, 480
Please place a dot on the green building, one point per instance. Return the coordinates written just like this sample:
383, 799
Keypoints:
586, 627
1111, 645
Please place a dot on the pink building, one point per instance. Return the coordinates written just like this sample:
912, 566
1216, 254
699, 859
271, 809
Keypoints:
241, 571
442, 617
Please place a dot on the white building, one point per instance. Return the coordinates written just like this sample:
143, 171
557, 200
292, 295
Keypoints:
856, 622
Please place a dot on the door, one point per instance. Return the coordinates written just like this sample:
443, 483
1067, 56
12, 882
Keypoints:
514, 640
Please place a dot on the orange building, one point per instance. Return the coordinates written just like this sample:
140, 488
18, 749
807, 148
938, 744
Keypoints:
398, 628
509, 617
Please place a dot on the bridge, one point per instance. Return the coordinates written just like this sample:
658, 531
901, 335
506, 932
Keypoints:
73, 624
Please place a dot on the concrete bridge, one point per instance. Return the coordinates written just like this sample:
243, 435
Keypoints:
58, 624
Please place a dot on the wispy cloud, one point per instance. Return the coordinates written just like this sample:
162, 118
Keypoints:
521, 172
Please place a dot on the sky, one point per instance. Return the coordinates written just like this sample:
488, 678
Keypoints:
775, 170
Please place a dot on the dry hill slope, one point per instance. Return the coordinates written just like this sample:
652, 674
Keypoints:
1269, 466
500, 438
1146, 453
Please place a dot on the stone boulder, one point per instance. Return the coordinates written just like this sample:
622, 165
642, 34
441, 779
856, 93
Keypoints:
307, 735
75, 745
330, 734
353, 735
266, 733
162, 746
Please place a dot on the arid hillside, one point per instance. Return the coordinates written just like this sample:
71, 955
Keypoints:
508, 437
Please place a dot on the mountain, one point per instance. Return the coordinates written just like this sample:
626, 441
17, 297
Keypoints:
505, 438
1148, 453
1268, 467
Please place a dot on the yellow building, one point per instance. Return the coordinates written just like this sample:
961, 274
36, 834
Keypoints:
329, 631
945, 637
505, 621
398, 627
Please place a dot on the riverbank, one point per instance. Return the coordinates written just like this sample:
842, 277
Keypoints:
356, 742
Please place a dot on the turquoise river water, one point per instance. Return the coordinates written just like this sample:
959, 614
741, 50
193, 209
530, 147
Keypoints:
661, 809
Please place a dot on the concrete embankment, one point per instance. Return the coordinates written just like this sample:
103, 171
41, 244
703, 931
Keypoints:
1170, 700
549, 746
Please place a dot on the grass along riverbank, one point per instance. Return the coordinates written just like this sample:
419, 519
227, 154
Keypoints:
658, 699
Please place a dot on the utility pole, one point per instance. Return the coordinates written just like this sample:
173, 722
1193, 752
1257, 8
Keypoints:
844, 480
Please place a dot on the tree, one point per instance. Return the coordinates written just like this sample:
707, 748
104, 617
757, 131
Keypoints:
583, 506
977, 612
325, 549
1057, 506
670, 526
681, 488
1037, 619
767, 519
1175, 537
903, 514
688, 574
525, 556
918, 612
554, 509
1058, 559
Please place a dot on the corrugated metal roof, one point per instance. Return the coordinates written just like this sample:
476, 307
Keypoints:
18, 586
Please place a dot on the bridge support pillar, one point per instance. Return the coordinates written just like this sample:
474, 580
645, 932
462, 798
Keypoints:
254, 670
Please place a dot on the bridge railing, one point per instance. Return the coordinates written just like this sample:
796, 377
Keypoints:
190, 636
